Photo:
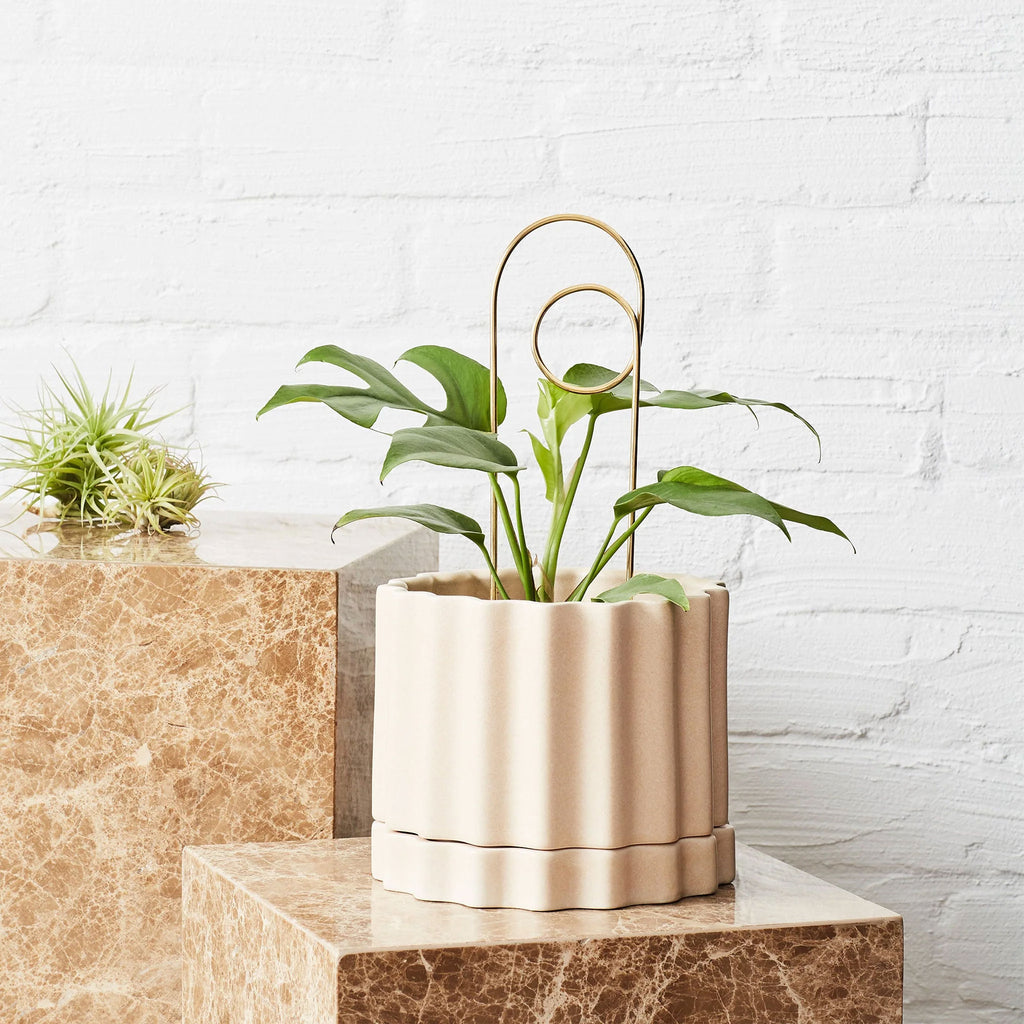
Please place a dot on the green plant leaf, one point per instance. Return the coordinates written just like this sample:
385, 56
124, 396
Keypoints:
433, 517
361, 406
621, 396
455, 447
356, 404
466, 383
558, 410
546, 462
791, 515
590, 375
646, 583
704, 398
704, 494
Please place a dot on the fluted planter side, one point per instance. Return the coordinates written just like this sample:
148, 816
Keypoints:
547, 727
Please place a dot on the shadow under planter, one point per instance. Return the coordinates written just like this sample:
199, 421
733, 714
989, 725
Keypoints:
159, 692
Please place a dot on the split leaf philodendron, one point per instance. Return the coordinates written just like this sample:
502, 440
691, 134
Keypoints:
459, 437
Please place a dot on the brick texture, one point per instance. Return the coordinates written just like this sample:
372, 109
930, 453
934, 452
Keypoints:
827, 199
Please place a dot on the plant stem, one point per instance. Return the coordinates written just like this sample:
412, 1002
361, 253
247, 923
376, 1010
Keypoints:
499, 586
510, 533
560, 516
607, 553
581, 588
610, 553
528, 583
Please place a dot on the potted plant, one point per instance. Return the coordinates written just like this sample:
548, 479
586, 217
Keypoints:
546, 737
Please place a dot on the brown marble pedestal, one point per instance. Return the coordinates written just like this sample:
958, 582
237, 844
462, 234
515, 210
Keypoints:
157, 692
299, 934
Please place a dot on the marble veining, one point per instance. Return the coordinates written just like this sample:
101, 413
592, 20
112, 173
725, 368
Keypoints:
780, 947
148, 700
143, 708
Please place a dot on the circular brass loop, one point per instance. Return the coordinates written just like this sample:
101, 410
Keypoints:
572, 290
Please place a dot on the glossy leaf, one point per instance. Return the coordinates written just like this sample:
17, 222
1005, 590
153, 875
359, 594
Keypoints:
646, 583
455, 447
704, 494
466, 384
433, 517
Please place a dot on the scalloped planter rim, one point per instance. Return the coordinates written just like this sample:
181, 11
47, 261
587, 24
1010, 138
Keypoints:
547, 756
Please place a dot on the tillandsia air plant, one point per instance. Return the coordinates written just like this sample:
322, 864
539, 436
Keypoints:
91, 458
459, 436
153, 489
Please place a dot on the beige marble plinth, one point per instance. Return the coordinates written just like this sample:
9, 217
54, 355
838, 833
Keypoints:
156, 692
299, 934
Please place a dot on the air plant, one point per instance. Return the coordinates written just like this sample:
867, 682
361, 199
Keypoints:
153, 489
90, 458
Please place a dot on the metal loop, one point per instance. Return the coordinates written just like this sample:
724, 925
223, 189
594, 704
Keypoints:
578, 389
636, 318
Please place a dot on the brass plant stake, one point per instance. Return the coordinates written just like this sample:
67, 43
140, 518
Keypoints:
636, 320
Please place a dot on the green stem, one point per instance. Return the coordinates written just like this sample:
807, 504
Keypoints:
499, 586
560, 517
530, 588
610, 554
510, 533
607, 553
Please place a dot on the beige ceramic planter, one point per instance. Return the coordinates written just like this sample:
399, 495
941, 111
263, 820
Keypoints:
549, 756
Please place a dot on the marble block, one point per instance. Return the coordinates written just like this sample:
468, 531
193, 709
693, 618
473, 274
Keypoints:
298, 933
158, 692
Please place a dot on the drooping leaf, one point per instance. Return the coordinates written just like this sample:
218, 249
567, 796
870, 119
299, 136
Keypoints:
705, 398
383, 385
456, 447
433, 517
356, 404
590, 375
466, 383
791, 515
546, 462
695, 490
621, 396
646, 583
361, 406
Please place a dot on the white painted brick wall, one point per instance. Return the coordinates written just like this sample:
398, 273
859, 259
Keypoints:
828, 201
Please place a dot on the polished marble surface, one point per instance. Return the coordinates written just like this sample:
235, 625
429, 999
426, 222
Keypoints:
253, 539
299, 932
151, 699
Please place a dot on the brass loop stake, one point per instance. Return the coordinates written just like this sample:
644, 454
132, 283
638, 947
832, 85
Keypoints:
636, 318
